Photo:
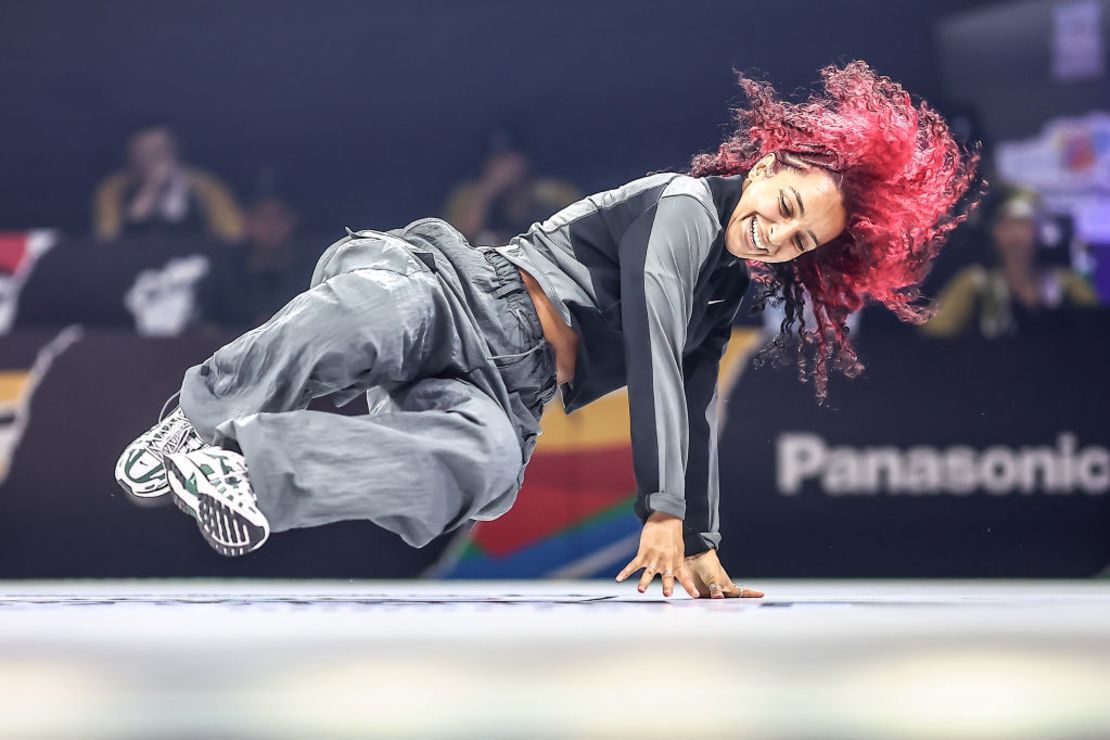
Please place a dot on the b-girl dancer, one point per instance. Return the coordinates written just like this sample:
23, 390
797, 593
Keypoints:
840, 199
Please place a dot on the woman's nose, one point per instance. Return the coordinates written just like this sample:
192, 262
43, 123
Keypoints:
781, 233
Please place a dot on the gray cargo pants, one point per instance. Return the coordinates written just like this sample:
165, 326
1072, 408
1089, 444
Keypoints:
446, 343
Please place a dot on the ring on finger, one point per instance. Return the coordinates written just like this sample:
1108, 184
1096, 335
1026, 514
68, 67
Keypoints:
669, 573
714, 586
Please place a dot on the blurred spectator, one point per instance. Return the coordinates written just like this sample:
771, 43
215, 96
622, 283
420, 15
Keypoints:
261, 274
508, 198
1019, 290
158, 194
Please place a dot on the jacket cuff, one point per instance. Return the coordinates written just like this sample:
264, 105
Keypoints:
696, 543
649, 503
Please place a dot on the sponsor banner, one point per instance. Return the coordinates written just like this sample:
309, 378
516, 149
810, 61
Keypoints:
146, 285
964, 459
925, 470
955, 458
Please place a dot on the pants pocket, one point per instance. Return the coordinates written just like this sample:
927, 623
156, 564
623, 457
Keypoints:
375, 250
510, 360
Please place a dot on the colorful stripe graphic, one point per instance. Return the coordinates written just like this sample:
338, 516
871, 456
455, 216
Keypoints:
573, 517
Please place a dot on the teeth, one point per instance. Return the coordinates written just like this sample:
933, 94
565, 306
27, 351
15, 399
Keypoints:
756, 240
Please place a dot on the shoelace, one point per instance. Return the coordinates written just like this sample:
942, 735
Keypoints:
176, 435
236, 467
166, 405
181, 427
240, 491
166, 431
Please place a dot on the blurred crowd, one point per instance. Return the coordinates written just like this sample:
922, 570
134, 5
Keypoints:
1026, 282
1013, 267
157, 193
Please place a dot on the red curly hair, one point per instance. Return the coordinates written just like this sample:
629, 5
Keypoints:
902, 176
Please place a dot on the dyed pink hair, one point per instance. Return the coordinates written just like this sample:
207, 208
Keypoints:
901, 175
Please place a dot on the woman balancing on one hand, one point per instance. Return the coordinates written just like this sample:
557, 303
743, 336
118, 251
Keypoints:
840, 199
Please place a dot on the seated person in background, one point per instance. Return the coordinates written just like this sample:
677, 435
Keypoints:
1001, 299
262, 273
159, 195
508, 198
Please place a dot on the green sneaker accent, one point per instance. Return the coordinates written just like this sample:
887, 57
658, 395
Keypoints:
223, 465
191, 485
155, 472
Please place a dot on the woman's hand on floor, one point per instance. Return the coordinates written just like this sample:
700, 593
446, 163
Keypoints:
712, 580
660, 553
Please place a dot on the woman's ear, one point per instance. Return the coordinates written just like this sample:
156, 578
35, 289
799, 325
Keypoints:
763, 167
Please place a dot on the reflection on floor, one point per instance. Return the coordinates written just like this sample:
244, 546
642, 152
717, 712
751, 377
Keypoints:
157, 659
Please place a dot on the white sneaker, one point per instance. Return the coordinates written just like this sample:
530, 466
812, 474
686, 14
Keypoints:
227, 510
140, 470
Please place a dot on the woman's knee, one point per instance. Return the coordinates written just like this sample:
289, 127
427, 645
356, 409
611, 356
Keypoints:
503, 457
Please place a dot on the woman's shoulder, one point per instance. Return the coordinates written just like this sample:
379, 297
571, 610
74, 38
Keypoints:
639, 196
659, 185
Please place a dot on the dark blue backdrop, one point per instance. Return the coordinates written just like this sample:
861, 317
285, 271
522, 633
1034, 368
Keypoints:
373, 110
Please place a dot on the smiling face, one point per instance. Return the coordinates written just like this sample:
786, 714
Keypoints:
784, 212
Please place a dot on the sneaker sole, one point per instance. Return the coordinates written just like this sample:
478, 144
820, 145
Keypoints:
226, 531
235, 535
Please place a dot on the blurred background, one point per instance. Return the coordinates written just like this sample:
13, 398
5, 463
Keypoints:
171, 170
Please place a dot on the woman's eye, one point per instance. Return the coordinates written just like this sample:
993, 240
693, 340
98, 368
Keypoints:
782, 206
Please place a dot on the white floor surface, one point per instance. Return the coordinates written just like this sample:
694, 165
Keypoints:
882, 659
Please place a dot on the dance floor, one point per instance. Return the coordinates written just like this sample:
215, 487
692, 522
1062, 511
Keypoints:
249, 659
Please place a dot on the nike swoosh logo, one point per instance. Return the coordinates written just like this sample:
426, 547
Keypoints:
719, 300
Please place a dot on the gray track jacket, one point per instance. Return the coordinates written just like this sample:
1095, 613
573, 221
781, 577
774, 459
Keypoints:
641, 274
